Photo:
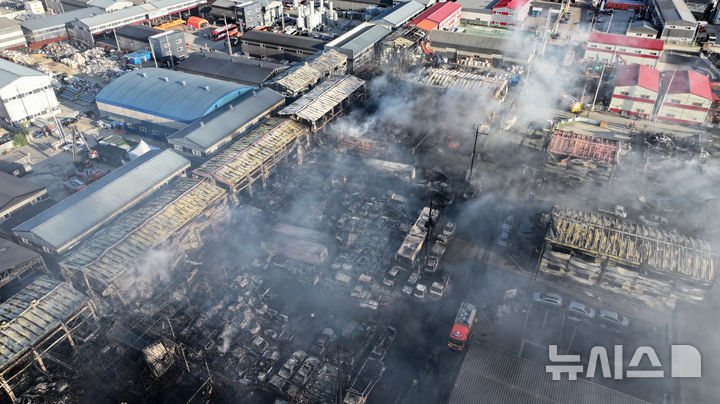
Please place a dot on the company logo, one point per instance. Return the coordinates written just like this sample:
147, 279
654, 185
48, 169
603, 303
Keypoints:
685, 361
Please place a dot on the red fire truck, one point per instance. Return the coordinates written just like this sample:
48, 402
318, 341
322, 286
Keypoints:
462, 327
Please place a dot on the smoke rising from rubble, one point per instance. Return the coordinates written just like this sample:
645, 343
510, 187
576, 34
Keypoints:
152, 270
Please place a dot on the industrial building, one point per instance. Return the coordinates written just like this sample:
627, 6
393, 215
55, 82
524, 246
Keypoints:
303, 76
17, 262
43, 315
402, 49
478, 12
85, 29
475, 82
253, 156
443, 15
636, 90
239, 69
64, 225
264, 44
501, 377
210, 134
510, 13
159, 102
360, 45
650, 265
398, 15
24, 93
17, 194
170, 220
11, 35
329, 99
574, 158
360, 4
676, 22
163, 44
611, 48
249, 13
457, 46
687, 99
642, 29
52, 28
62, 6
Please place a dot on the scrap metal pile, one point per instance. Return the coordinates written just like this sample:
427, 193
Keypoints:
656, 266
93, 61
580, 158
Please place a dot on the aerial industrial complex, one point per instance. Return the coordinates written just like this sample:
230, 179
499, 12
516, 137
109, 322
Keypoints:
359, 201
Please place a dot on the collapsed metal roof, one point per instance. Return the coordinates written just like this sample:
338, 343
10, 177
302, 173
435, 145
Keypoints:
33, 313
118, 247
586, 147
323, 98
311, 71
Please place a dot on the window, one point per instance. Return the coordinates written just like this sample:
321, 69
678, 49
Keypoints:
6, 216
647, 97
197, 153
697, 104
24, 240
143, 129
675, 101
624, 93
179, 49
178, 147
47, 250
155, 132
129, 125
670, 115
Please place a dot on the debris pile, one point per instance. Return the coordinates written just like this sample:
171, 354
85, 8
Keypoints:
93, 61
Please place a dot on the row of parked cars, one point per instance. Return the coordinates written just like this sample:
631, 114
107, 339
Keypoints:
579, 311
301, 365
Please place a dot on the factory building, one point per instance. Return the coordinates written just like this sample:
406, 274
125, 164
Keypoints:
45, 315
360, 45
642, 29
253, 156
85, 29
398, 15
676, 22
52, 28
210, 134
11, 35
510, 13
264, 44
65, 224
478, 12
303, 76
169, 222
574, 158
249, 13
25, 93
360, 4
164, 44
18, 262
17, 194
611, 48
329, 99
440, 16
620, 259
239, 69
62, 6
688, 98
457, 46
159, 102
636, 90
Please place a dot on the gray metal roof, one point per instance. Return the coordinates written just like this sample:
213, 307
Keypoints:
118, 15
6, 23
643, 26
399, 14
240, 69
675, 12
274, 38
359, 38
33, 313
13, 255
307, 73
83, 212
209, 131
177, 96
488, 375
12, 188
321, 99
10, 72
138, 32
60, 20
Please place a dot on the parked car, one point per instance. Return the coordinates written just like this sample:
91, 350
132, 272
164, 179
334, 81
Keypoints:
449, 229
578, 311
322, 341
653, 220
391, 276
548, 299
74, 184
292, 364
613, 318
91, 175
419, 291
306, 371
432, 264
259, 344
503, 240
68, 121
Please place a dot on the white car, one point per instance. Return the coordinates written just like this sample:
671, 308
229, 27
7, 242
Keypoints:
503, 240
614, 318
548, 299
420, 290
578, 311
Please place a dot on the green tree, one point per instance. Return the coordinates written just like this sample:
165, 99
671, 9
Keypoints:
20, 140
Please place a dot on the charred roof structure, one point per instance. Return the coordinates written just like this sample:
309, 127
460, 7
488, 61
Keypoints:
252, 156
412, 245
304, 76
170, 219
655, 266
493, 84
34, 321
575, 158
324, 102
16, 261
401, 49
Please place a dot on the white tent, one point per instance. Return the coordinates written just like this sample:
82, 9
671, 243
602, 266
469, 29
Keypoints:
140, 149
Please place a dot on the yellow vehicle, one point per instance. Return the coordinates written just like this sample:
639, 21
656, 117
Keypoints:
576, 107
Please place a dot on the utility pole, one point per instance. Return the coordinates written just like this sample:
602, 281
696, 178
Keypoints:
667, 90
339, 382
428, 228
227, 35
597, 90
472, 160
152, 50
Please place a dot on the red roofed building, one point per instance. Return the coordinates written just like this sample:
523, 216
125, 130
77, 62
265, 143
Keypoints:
636, 90
509, 13
612, 48
441, 15
688, 97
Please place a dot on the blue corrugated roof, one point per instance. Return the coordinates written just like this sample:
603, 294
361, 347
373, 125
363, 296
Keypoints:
76, 216
170, 94
205, 133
